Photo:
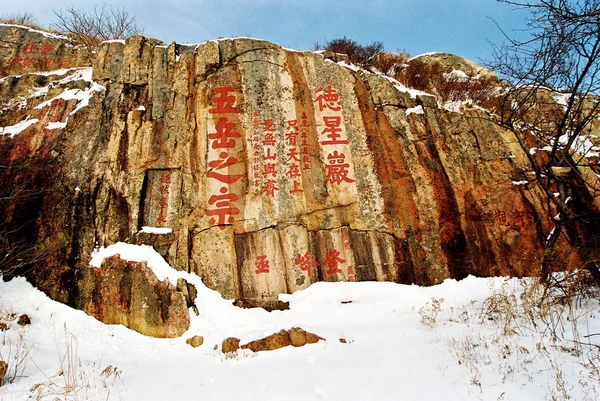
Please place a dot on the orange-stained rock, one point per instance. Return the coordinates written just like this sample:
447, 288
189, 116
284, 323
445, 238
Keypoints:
295, 336
230, 344
273, 169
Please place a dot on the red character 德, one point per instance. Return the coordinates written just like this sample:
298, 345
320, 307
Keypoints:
329, 99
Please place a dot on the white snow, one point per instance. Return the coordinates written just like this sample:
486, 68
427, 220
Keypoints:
83, 96
456, 75
19, 127
415, 110
141, 108
156, 230
46, 34
114, 41
56, 125
349, 66
421, 55
523, 182
467, 340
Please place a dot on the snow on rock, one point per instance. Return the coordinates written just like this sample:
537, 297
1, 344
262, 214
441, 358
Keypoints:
156, 230
456, 75
44, 33
523, 182
56, 125
83, 96
422, 55
19, 127
415, 110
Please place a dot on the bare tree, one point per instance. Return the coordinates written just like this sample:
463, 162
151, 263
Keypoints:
553, 101
93, 27
19, 19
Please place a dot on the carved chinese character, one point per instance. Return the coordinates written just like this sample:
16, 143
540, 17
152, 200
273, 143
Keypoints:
328, 99
261, 264
337, 170
46, 49
225, 135
269, 140
269, 169
297, 188
165, 178
30, 48
305, 262
519, 216
332, 260
223, 102
269, 155
292, 155
346, 241
332, 131
226, 211
268, 126
351, 274
270, 188
222, 164
293, 171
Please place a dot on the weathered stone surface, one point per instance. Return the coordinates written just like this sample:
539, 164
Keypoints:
3, 370
128, 293
195, 341
273, 168
230, 344
27, 50
295, 336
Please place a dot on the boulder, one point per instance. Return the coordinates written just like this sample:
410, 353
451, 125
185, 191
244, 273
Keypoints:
295, 336
230, 344
195, 341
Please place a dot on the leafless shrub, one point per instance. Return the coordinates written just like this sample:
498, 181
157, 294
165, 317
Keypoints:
364, 56
16, 353
91, 28
25, 18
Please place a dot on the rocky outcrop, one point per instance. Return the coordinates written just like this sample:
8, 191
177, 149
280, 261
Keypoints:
128, 293
295, 337
272, 168
25, 49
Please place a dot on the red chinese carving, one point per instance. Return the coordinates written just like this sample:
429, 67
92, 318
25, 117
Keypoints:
224, 203
351, 274
261, 264
305, 262
332, 130
337, 170
328, 99
346, 241
269, 169
221, 164
293, 171
46, 49
268, 126
296, 188
30, 48
225, 135
269, 139
223, 102
165, 178
292, 154
332, 259
269, 155
270, 188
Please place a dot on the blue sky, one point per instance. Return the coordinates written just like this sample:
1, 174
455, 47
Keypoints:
462, 27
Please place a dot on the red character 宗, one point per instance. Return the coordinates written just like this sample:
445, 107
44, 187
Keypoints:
332, 260
305, 262
270, 188
261, 265
328, 99
337, 170
225, 136
332, 130
223, 102
223, 163
225, 212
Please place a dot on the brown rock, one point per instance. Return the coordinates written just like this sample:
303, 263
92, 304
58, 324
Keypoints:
3, 370
230, 344
195, 341
23, 320
295, 336
3, 326
343, 340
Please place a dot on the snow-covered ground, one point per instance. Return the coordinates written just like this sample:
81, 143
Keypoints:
468, 340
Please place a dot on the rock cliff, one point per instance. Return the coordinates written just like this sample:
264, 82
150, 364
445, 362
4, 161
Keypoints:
267, 170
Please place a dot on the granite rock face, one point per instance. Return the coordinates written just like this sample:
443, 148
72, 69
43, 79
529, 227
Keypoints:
274, 169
